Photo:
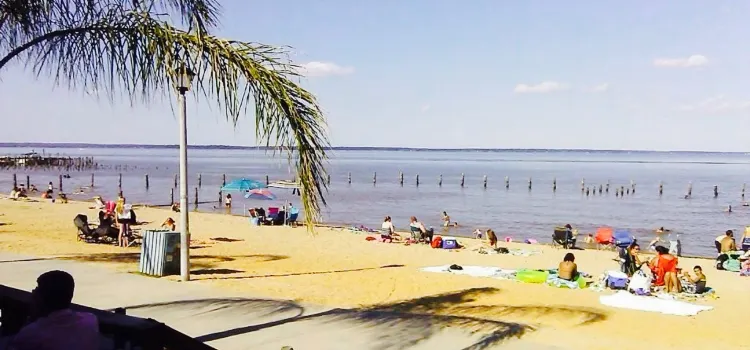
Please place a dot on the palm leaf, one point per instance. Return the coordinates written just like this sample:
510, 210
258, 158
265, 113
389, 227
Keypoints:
116, 46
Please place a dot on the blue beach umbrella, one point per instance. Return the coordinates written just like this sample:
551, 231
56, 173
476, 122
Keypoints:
242, 185
260, 194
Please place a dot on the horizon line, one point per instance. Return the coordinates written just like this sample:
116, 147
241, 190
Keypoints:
338, 148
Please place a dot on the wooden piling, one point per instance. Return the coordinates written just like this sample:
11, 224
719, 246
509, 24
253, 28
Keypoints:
147, 185
554, 184
92, 179
171, 196
375, 178
583, 184
200, 180
349, 178
223, 180
529, 184
119, 182
743, 190
401, 178
268, 182
417, 180
661, 188
15, 181
329, 179
690, 189
28, 182
507, 182
440, 180
463, 180
606, 189
196, 198
220, 198
484, 182
60, 186
716, 191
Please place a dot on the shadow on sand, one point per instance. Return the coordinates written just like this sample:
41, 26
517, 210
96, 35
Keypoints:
393, 326
303, 273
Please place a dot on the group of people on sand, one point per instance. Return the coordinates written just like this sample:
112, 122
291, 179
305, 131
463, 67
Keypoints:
19, 192
663, 270
116, 216
419, 232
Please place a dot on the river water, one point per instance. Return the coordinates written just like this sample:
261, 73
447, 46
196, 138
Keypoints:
517, 211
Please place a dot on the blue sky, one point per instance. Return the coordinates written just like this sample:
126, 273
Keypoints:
665, 75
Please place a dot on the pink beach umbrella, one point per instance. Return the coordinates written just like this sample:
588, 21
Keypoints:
260, 193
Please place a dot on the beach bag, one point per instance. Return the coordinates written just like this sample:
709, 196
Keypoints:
437, 242
640, 283
450, 243
617, 280
720, 261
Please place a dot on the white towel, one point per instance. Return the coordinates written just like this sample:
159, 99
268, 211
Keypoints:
626, 300
474, 271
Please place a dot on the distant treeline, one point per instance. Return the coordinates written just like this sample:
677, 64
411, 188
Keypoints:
359, 148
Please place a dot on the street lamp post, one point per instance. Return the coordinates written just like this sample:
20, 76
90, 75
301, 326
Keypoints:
183, 79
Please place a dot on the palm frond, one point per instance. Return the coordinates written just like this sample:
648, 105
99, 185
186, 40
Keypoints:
115, 48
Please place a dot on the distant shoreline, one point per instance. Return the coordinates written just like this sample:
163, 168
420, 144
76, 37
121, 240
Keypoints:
349, 148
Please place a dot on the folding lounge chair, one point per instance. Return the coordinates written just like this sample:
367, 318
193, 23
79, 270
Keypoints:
604, 239
563, 237
416, 233
85, 232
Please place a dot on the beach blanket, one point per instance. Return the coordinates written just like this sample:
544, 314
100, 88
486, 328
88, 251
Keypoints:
625, 300
474, 271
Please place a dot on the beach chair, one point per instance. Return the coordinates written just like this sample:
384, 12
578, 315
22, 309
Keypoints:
416, 233
85, 232
563, 237
272, 214
291, 220
603, 238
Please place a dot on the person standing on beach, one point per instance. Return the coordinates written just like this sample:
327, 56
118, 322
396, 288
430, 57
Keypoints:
50, 187
228, 201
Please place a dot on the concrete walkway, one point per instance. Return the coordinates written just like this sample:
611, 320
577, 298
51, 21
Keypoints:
230, 321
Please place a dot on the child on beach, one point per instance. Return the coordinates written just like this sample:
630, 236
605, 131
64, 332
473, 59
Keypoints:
568, 270
169, 224
447, 220
492, 238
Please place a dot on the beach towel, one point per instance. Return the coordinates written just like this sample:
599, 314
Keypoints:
625, 300
474, 271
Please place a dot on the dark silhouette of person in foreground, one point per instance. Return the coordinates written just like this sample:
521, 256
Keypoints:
53, 325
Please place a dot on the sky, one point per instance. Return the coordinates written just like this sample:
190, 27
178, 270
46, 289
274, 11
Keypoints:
646, 75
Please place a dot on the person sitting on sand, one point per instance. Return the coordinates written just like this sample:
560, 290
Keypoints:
632, 262
568, 270
426, 235
33, 189
14, 193
726, 242
492, 238
447, 220
388, 231
176, 207
698, 282
664, 267
589, 239
169, 224
62, 198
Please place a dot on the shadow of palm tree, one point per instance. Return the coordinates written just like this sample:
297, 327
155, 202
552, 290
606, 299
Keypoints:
197, 261
397, 325
302, 273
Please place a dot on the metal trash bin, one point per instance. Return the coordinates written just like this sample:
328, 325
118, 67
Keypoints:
160, 253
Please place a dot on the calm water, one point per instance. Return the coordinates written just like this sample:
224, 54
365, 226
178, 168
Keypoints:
515, 212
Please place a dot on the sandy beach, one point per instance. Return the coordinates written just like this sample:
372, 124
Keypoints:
340, 268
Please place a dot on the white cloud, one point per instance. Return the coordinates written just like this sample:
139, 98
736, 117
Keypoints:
600, 88
685, 62
424, 108
543, 87
322, 69
716, 104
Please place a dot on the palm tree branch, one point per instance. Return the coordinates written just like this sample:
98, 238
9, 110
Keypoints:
137, 53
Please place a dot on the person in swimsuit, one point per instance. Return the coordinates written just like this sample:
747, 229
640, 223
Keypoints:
699, 280
664, 267
492, 238
568, 270
447, 220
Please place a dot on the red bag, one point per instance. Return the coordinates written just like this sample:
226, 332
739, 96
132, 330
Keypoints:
437, 242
